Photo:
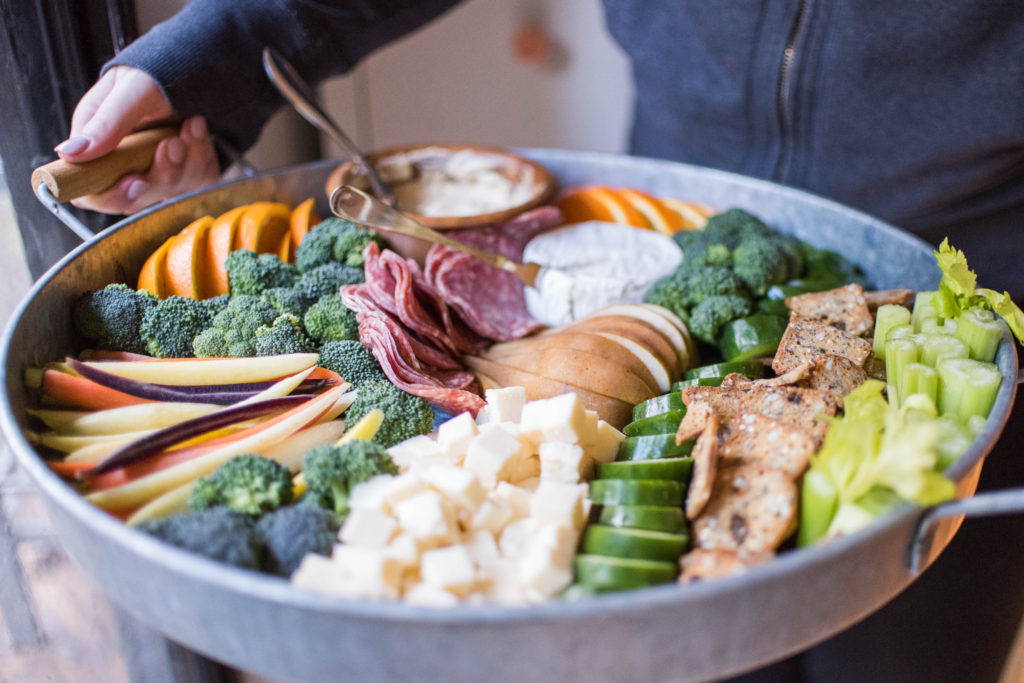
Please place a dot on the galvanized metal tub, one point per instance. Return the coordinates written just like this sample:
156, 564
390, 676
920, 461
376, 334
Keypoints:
678, 633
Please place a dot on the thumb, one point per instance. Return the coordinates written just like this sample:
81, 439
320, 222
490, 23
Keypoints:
122, 100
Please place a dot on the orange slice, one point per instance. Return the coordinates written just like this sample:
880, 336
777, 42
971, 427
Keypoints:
262, 227
302, 221
694, 215
600, 203
284, 249
660, 217
186, 260
219, 244
153, 276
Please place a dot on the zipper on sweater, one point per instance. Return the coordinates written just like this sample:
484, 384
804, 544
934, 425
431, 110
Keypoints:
784, 94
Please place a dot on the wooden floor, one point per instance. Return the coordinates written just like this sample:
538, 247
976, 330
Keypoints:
55, 625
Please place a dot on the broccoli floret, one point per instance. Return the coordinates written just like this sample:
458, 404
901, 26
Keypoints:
216, 304
170, 327
287, 300
285, 335
828, 269
110, 317
327, 279
233, 331
348, 248
352, 361
707, 317
331, 472
218, 533
246, 483
290, 533
670, 292
707, 281
760, 263
330, 320
251, 273
734, 226
405, 415
793, 249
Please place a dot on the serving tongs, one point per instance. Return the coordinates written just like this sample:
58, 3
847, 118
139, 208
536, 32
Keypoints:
357, 206
298, 93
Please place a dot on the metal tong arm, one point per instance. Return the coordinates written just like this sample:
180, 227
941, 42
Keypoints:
294, 89
355, 205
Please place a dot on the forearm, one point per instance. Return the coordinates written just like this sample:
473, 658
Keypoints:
207, 58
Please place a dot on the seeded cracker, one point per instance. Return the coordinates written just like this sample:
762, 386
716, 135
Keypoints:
837, 375
844, 308
760, 440
700, 564
806, 340
752, 509
899, 297
705, 465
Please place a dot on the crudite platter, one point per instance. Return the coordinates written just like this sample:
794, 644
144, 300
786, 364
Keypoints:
670, 632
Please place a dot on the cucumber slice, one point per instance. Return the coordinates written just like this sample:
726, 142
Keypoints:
698, 382
636, 492
652, 447
750, 368
753, 336
674, 469
642, 544
653, 517
618, 573
665, 423
658, 405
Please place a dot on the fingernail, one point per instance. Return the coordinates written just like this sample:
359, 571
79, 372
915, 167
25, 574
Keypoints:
73, 145
175, 151
197, 127
135, 189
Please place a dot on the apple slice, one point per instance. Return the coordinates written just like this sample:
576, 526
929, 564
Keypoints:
598, 374
590, 343
613, 411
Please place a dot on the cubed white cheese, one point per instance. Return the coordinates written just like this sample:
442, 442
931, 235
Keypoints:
500, 580
403, 487
589, 436
523, 468
557, 502
515, 537
458, 485
560, 418
606, 446
368, 572
555, 543
505, 404
517, 497
427, 516
530, 484
564, 462
482, 547
492, 515
319, 574
540, 583
405, 549
494, 453
451, 568
368, 528
370, 494
406, 453
454, 435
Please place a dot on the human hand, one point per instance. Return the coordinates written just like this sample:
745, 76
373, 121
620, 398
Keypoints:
123, 100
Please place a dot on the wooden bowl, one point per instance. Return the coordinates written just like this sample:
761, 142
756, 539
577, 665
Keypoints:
405, 164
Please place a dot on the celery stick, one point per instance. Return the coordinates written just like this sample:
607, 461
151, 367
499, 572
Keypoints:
936, 347
918, 378
954, 441
818, 503
967, 387
898, 353
923, 309
938, 326
888, 317
900, 332
978, 328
